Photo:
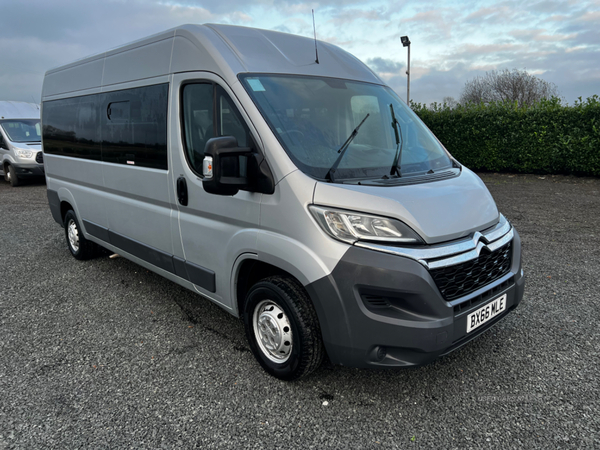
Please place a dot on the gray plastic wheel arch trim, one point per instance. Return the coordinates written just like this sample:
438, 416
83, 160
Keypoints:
450, 254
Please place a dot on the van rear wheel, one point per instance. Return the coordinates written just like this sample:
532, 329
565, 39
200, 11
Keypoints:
282, 328
78, 245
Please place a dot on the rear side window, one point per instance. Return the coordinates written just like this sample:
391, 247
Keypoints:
71, 127
134, 127
123, 127
207, 112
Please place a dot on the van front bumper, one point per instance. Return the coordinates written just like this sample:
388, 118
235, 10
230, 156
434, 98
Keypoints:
29, 170
381, 310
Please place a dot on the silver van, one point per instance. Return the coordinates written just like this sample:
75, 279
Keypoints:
20, 141
298, 193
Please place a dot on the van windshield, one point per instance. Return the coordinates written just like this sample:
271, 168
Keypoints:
22, 130
314, 116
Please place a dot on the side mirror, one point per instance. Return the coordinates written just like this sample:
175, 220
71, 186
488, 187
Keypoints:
225, 166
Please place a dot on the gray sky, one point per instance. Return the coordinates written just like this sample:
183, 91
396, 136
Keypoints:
452, 41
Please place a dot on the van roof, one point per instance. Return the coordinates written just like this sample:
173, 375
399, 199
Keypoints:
226, 50
19, 110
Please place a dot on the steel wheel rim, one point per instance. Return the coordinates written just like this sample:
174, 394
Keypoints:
272, 331
7, 172
73, 234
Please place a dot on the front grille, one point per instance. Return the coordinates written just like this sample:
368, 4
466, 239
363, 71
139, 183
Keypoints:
462, 279
484, 297
39, 158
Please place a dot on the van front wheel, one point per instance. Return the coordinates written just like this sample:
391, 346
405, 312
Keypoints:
78, 245
10, 175
282, 328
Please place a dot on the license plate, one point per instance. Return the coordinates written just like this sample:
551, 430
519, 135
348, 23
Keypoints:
486, 313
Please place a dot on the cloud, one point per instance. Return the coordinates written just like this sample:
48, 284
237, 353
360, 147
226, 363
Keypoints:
451, 42
38, 35
491, 15
383, 65
551, 7
541, 35
437, 21
349, 16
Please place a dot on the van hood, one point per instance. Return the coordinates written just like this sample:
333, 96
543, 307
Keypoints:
27, 145
438, 211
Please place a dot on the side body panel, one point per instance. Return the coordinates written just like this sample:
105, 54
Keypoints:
290, 238
80, 183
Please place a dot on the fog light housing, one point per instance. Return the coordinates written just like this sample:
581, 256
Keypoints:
381, 353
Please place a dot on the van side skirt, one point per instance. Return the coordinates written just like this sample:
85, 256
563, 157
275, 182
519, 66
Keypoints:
198, 275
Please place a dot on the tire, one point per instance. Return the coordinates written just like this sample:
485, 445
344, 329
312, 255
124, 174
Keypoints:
10, 175
289, 344
78, 245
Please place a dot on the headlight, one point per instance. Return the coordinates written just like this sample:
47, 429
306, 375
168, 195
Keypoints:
23, 153
350, 227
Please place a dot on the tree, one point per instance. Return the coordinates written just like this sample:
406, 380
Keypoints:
450, 102
506, 85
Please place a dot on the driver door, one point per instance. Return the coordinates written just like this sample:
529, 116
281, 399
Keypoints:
214, 229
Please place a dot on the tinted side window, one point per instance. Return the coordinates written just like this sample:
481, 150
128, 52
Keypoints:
134, 126
209, 112
124, 127
71, 127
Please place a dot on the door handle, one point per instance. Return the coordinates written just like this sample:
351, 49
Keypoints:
182, 192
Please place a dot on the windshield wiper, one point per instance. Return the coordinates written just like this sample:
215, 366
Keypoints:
399, 143
342, 150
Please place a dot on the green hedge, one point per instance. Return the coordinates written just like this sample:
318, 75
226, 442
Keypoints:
548, 137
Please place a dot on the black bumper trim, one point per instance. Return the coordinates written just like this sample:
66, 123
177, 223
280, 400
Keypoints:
418, 325
29, 170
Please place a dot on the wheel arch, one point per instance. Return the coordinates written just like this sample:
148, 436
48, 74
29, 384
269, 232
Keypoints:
67, 202
248, 270
65, 207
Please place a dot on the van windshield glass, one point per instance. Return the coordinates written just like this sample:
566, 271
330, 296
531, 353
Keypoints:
312, 117
22, 130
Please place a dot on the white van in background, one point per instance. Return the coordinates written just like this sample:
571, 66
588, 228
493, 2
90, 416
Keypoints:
20, 141
302, 196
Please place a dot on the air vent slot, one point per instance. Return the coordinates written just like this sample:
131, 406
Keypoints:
376, 301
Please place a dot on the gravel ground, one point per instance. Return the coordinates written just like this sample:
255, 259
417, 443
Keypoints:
104, 354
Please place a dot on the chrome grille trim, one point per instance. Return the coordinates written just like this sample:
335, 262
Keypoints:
472, 254
453, 253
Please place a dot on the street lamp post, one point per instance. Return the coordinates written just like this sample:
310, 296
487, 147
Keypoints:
406, 43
